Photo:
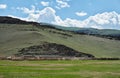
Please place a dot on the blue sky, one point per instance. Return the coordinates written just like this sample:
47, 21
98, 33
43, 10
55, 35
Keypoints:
74, 13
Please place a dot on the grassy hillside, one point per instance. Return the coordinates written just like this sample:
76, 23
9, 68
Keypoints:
14, 37
104, 33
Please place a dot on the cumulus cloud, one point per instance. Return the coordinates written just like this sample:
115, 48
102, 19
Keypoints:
62, 4
32, 13
106, 20
45, 3
68, 22
3, 6
47, 14
81, 13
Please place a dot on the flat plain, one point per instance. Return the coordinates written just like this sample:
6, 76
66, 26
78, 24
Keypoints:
60, 69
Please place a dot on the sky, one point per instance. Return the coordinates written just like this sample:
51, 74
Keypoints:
100, 14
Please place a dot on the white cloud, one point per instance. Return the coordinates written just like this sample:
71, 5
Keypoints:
62, 4
27, 10
57, 7
32, 13
3, 6
45, 15
45, 3
81, 13
68, 22
106, 20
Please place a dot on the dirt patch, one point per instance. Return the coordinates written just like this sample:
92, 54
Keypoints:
48, 68
1, 76
60, 65
47, 65
34, 64
92, 74
100, 63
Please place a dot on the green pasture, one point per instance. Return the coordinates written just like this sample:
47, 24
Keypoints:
60, 69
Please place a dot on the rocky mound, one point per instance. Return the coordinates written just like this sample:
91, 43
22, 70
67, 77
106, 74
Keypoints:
52, 49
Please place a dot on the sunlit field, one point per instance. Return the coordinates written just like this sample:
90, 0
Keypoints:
60, 69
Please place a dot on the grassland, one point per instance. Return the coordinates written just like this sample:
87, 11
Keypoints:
60, 69
14, 37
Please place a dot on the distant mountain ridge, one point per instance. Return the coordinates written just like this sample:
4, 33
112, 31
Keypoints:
104, 33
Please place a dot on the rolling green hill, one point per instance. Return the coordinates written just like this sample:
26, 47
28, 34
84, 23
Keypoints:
14, 37
104, 33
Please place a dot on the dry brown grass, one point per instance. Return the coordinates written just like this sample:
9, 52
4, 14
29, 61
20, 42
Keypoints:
1, 76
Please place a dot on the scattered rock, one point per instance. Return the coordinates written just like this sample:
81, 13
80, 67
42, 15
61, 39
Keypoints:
52, 49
